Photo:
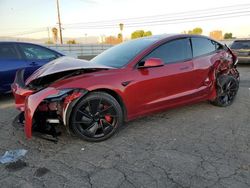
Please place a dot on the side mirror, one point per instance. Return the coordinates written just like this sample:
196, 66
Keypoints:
153, 62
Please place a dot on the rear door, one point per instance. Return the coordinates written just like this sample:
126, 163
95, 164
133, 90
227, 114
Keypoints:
36, 56
10, 62
205, 52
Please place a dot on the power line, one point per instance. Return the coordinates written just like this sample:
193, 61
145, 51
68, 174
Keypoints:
20, 28
27, 32
200, 12
156, 20
170, 21
156, 23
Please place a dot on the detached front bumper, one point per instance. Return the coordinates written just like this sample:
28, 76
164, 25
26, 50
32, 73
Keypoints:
28, 101
31, 102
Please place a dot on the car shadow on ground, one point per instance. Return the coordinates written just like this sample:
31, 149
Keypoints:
243, 65
6, 96
6, 100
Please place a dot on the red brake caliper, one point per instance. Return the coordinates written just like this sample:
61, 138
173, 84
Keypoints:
108, 118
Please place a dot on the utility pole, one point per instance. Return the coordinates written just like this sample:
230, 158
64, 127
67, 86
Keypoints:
48, 34
59, 21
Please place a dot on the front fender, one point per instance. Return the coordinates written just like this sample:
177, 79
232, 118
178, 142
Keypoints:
31, 104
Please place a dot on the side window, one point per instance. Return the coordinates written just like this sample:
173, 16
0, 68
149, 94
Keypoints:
202, 46
218, 46
8, 51
32, 52
172, 51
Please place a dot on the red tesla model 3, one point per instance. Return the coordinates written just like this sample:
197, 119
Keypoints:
136, 78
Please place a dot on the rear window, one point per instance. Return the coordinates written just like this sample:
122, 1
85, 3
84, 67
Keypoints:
241, 45
202, 46
8, 51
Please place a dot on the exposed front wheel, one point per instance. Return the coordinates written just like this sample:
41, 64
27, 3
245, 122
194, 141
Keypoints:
227, 88
96, 117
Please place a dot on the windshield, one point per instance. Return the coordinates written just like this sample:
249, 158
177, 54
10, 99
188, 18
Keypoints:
122, 54
241, 45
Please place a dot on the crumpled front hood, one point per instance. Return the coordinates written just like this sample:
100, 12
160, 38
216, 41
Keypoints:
63, 64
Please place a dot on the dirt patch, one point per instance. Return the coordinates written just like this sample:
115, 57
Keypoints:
16, 166
41, 172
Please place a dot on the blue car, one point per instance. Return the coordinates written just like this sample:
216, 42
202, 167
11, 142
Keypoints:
20, 55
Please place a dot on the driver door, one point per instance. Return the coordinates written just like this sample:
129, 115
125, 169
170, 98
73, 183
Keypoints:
155, 88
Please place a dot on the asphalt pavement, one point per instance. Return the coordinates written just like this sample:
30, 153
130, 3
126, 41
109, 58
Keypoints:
192, 146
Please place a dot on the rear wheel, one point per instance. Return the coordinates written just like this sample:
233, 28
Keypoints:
227, 88
96, 117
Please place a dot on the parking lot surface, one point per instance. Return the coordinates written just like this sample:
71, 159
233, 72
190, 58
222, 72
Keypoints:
193, 146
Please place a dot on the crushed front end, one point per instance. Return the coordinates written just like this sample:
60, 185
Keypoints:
43, 108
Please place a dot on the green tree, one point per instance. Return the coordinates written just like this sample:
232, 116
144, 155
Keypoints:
140, 33
228, 36
137, 34
196, 31
71, 41
147, 33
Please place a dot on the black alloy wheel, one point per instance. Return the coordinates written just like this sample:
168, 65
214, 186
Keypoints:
96, 117
227, 88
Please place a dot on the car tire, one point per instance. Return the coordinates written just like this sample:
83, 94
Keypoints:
226, 90
96, 117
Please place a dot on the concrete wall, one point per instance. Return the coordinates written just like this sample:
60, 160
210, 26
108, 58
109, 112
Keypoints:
83, 51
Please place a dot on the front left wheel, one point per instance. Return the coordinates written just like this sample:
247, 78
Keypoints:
96, 117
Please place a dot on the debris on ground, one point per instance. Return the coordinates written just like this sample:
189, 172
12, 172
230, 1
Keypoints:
15, 166
41, 172
12, 156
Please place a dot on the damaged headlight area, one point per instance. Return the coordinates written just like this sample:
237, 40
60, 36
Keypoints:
53, 110
60, 95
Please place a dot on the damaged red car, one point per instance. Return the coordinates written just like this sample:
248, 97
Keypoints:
93, 98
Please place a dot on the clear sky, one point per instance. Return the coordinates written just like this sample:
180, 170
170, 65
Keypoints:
18, 16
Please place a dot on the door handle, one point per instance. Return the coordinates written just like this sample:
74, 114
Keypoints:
184, 68
33, 63
126, 83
